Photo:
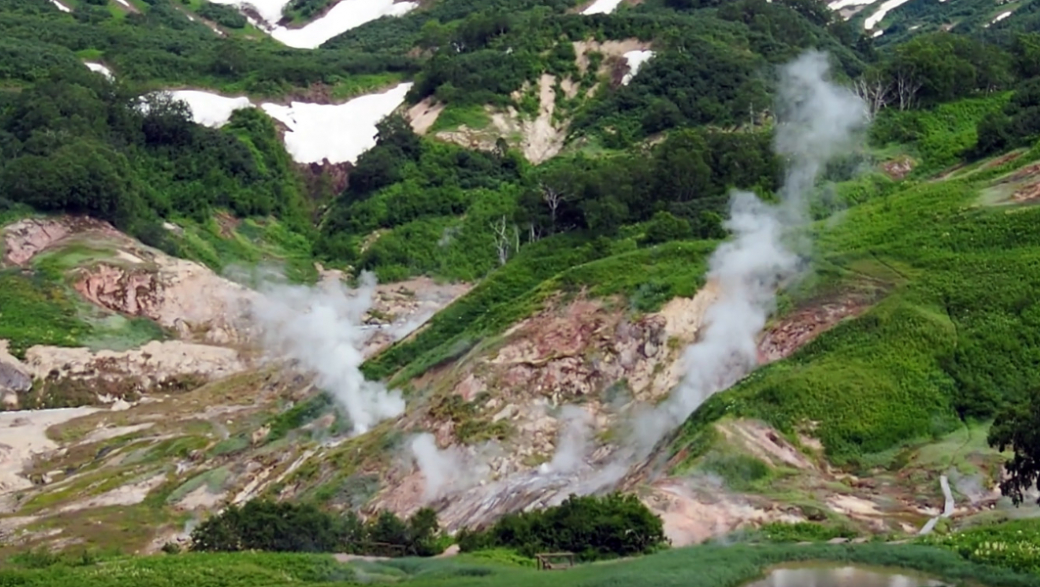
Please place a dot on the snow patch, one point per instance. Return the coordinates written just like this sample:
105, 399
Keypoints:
124, 3
1001, 17
269, 10
602, 7
344, 16
336, 132
339, 132
882, 12
209, 109
635, 59
61, 6
839, 4
99, 68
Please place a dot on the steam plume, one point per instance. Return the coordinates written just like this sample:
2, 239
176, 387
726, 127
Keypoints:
320, 327
819, 120
448, 470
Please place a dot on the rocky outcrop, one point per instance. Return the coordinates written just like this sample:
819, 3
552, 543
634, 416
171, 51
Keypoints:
178, 294
15, 378
153, 364
25, 238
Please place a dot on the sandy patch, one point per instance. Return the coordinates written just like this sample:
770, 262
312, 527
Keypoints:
201, 498
765, 443
154, 363
106, 433
853, 506
131, 494
691, 517
23, 435
424, 114
611, 51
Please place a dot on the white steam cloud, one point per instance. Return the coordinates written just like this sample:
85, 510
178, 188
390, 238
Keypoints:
320, 327
449, 470
572, 444
820, 120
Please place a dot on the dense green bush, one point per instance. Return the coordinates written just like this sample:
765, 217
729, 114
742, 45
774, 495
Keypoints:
222, 15
288, 527
73, 142
591, 527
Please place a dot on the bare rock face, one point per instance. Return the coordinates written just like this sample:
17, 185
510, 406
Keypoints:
181, 295
14, 376
154, 363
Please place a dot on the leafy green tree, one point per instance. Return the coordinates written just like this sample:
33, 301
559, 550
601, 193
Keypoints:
666, 227
1018, 428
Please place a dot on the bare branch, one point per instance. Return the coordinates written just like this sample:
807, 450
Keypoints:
502, 240
552, 199
875, 90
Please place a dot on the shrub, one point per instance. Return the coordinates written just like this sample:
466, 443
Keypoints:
591, 527
288, 527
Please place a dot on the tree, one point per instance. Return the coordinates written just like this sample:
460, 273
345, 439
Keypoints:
666, 227
875, 89
552, 198
1018, 428
505, 240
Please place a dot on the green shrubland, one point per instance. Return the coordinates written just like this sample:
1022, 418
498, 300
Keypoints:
702, 566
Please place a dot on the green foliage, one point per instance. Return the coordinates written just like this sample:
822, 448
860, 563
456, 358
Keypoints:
286, 527
950, 342
222, 15
75, 144
804, 532
700, 566
740, 472
941, 136
591, 527
1016, 428
1013, 545
664, 227
298, 415
34, 310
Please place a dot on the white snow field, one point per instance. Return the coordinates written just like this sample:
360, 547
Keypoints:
602, 7
343, 16
61, 6
882, 11
346, 15
337, 132
269, 10
636, 59
99, 68
209, 109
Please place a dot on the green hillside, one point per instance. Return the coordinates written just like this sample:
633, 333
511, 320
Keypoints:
930, 225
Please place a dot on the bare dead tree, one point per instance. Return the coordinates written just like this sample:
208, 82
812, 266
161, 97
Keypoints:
552, 198
907, 85
534, 232
875, 90
502, 240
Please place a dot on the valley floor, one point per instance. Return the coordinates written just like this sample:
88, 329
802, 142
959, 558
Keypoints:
702, 566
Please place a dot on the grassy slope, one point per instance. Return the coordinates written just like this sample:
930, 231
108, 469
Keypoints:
705, 566
40, 306
956, 336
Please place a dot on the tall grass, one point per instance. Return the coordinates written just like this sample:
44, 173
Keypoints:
703, 566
